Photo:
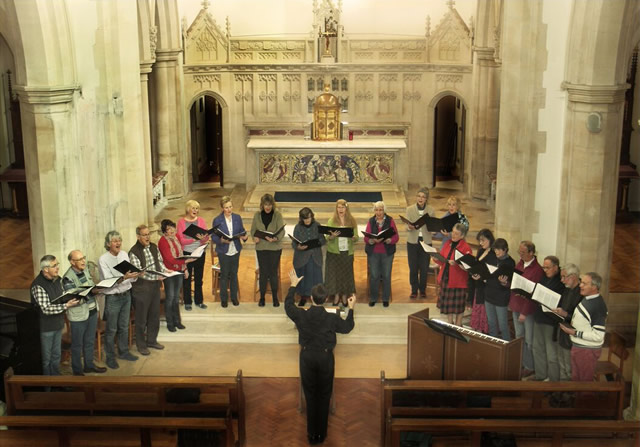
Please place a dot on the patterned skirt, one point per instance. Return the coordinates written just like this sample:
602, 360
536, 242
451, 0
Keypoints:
452, 301
338, 274
479, 318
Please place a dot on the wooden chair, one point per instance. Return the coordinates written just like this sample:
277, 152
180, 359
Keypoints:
215, 273
66, 341
100, 333
256, 282
132, 325
617, 349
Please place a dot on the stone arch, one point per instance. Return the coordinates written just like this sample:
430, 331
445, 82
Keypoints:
430, 122
226, 129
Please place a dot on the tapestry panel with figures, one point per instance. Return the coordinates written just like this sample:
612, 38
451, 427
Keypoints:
333, 168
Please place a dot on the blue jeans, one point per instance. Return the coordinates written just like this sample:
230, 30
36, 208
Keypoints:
525, 330
229, 276
498, 319
51, 346
117, 310
418, 267
380, 270
172, 300
312, 275
83, 335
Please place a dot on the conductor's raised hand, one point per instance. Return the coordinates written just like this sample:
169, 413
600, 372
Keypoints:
351, 301
295, 279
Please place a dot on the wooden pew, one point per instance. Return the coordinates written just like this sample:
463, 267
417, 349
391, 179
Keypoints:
133, 396
428, 403
80, 430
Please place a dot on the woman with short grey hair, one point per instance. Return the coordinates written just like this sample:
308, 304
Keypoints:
380, 252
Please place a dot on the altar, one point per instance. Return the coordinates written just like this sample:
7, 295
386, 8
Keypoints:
348, 164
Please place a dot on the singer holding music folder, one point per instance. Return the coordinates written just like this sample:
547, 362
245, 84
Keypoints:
497, 292
267, 230
453, 279
195, 269
380, 252
476, 285
307, 253
228, 250
417, 258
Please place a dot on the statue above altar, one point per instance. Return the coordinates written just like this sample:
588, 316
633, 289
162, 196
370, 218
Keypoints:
326, 117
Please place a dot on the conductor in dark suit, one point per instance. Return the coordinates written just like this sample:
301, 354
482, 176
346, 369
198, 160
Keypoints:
317, 330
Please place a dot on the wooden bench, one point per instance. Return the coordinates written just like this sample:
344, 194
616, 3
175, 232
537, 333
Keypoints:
134, 396
94, 431
427, 403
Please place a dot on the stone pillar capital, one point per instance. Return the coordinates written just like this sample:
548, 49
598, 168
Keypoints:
484, 53
595, 94
146, 67
168, 55
45, 95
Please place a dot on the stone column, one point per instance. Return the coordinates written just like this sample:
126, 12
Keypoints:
47, 129
170, 147
145, 69
485, 113
589, 184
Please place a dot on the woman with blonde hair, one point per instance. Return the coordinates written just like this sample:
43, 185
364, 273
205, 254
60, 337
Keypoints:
268, 249
339, 279
454, 206
196, 268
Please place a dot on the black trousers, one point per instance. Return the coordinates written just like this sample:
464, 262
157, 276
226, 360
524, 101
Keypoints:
268, 262
196, 270
316, 372
418, 267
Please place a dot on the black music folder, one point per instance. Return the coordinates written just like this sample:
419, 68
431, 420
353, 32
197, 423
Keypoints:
80, 293
310, 243
384, 234
125, 266
344, 231
264, 234
434, 224
217, 231
193, 231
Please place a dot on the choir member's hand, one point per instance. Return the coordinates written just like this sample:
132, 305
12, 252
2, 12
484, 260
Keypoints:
256, 240
131, 275
387, 241
205, 239
200, 236
271, 239
522, 318
244, 238
71, 303
302, 247
189, 260
351, 301
186, 274
561, 311
567, 330
503, 280
295, 279
334, 234
475, 276
444, 233
452, 262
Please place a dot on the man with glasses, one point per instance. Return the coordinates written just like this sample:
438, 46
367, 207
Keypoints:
588, 328
45, 288
545, 348
570, 276
146, 291
83, 318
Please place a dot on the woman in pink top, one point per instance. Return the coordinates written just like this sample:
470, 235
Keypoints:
171, 250
380, 252
196, 268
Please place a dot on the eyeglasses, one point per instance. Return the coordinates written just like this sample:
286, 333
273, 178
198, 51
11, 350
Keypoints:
84, 258
54, 266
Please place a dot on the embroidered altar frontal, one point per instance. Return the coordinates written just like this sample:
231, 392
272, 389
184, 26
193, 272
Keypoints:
355, 168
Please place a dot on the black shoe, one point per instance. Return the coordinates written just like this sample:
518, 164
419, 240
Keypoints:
302, 301
96, 369
372, 303
385, 303
78, 374
171, 328
261, 302
144, 351
202, 306
187, 307
224, 304
113, 364
129, 356
276, 303
235, 302
181, 326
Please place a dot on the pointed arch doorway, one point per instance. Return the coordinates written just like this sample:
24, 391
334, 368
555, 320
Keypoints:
206, 122
449, 124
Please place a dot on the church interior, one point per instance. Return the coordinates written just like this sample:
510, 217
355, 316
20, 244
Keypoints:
115, 113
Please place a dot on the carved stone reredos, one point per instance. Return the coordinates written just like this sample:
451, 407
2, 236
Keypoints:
205, 41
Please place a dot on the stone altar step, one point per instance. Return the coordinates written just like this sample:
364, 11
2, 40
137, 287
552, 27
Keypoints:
249, 323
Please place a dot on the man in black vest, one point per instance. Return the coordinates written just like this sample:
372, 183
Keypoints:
46, 287
146, 291
317, 330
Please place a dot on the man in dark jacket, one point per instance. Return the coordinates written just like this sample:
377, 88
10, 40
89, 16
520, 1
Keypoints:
317, 330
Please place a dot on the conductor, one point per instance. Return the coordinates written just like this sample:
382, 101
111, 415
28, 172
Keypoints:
317, 330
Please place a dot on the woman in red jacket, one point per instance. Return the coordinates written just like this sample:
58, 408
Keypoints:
453, 279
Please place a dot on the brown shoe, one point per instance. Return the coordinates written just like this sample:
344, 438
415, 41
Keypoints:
155, 345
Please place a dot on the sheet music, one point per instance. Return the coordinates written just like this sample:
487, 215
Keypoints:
428, 248
458, 255
199, 251
521, 283
547, 297
492, 268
